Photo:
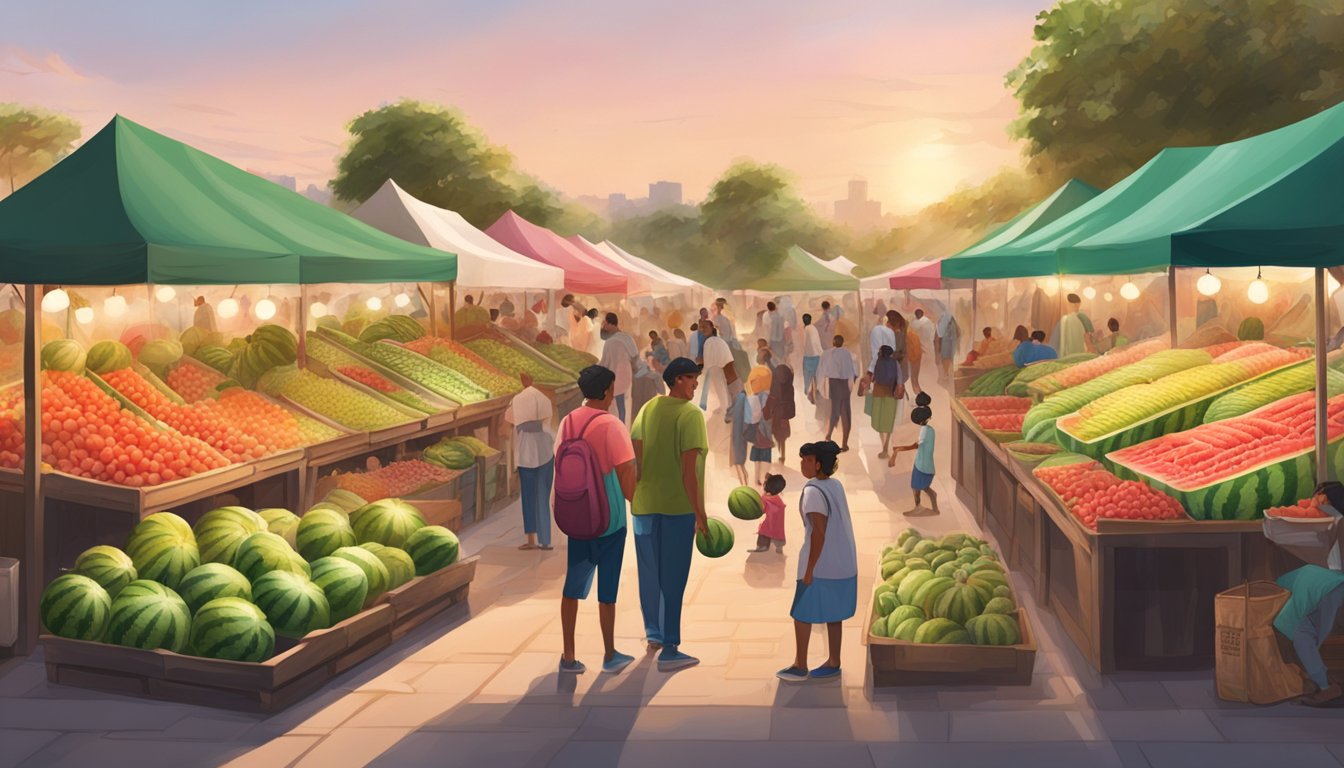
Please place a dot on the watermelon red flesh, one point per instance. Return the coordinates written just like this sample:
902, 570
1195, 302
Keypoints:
1179, 417
1075, 375
1236, 468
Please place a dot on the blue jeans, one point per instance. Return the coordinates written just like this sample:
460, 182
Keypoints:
536, 501
663, 546
810, 365
620, 408
1314, 629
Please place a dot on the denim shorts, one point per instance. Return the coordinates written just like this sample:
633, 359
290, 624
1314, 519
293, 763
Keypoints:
603, 555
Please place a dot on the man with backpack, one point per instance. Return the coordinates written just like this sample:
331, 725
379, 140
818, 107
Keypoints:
668, 507
594, 477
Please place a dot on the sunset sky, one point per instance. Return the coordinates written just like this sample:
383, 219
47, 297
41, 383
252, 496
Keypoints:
593, 96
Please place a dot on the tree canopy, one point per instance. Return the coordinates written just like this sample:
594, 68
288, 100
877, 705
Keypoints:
31, 141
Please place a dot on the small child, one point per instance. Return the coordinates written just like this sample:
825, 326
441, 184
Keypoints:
921, 475
772, 526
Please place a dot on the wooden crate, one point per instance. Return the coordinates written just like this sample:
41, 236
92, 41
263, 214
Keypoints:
902, 663
271, 685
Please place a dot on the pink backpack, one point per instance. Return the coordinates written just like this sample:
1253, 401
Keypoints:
581, 507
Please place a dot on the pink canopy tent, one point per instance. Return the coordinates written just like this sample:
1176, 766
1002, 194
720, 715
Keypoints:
635, 283
916, 275
584, 273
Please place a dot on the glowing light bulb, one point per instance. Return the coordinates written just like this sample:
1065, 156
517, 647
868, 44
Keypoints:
265, 309
995, 305
228, 308
1071, 285
1208, 284
84, 315
1258, 292
1050, 285
1089, 293
374, 303
55, 301
1108, 296
401, 300
1129, 291
114, 306
318, 309
165, 293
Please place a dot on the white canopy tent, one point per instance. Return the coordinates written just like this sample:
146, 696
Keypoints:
481, 261
839, 264
659, 280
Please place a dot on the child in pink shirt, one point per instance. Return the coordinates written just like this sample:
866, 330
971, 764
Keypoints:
772, 526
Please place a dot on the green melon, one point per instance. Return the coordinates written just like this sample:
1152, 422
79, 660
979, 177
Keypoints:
232, 628
947, 569
210, 581
925, 548
907, 535
941, 632
293, 605
900, 614
432, 547
946, 556
907, 629
108, 356
264, 552
389, 522
993, 629
344, 584
163, 548
268, 347
348, 501
216, 357
373, 568
879, 627
905, 593
926, 597
400, 567
221, 530
1000, 605
283, 523
959, 602
63, 355
109, 566
886, 603
718, 542
745, 503
1251, 329
323, 531
76, 607
149, 615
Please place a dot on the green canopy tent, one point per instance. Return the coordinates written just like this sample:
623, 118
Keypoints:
134, 207
1072, 194
798, 272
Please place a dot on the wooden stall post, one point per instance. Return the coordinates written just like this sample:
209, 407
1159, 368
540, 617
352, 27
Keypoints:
1171, 304
433, 312
32, 566
452, 309
303, 326
1322, 437
975, 298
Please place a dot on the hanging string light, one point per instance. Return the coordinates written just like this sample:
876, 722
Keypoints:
114, 305
165, 293
318, 309
1258, 291
228, 307
84, 315
401, 299
374, 303
55, 301
1129, 291
1208, 285
1089, 293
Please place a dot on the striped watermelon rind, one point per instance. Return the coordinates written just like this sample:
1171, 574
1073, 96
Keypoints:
345, 585
994, 629
400, 567
432, 548
323, 531
75, 606
293, 604
149, 615
211, 581
220, 531
283, 523
163, 548
231, 628
264, 552
388, 522
109, 566
719, 542
373, 569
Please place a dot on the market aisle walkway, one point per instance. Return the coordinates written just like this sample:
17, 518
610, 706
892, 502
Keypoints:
479, 686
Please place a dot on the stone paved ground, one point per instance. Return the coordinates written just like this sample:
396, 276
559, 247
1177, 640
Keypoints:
479, 685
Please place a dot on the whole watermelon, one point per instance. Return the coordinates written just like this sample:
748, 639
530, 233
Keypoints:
63, 355
293, 604
76, 607
323, 531
745, 503
344, 584
960, 602
941, 632
395, 327
718, 543
348, 501
149, 615
993, 629
400, 567
1000, 605
907, 629
269, 346
109, 566
161, 353
264, 552
212, 580
232, 628
389, 522
282, 522
1251, 329
450, 455
108, 356
221, 530
163, 548
373, 568
432, 547
216, 357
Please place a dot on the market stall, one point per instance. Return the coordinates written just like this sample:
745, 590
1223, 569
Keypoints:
159, 303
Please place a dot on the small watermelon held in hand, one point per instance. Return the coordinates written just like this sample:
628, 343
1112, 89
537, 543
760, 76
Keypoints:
232, 628
745, 503
719, 542
149, 615
76, 607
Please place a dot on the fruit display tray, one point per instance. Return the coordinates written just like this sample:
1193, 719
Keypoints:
901, 663
269, 686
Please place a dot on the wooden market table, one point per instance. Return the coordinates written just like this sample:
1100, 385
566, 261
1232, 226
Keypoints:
1131, 594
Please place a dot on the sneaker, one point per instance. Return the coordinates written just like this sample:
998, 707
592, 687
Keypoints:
618, 662
574, 667
792, 675
654, 646
671, 659
825, 673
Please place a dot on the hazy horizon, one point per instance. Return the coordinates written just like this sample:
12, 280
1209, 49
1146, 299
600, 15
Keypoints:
593, 98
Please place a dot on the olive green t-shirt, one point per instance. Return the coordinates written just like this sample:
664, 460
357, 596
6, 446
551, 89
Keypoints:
668, 427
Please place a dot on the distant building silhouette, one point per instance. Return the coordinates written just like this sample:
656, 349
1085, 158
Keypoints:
288, 182
663, 194
857, 211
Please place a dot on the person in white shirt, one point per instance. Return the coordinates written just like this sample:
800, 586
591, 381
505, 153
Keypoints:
724, 324
839, 373
811, 354
530, 412
594, 334
676, 346
720, 372
619, 355
826, 323
924, 329
881, 336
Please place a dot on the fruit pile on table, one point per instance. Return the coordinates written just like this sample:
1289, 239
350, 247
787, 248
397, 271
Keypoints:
436, 377
194, 382
337, 359
198, 420
468, 363
338, 402
998, 414
400, 478
571, 359
1304, 509
514, 362
226, 587
948, 590
1092, 493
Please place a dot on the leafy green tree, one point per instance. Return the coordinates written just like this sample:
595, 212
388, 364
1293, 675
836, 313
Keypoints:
671, 238
1108, 84
31, 141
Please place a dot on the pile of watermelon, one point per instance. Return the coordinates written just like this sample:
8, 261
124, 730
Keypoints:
1001, 416
1092, 493
950, 590
226, 587
458, 453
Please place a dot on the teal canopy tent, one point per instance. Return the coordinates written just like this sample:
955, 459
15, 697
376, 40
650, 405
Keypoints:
133, 206
1072, 194
798, 272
